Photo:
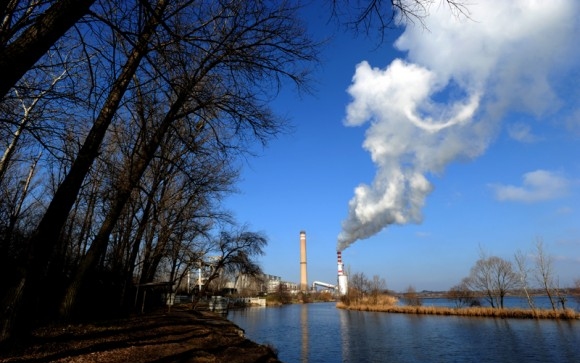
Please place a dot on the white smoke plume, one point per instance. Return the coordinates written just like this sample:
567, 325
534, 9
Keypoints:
444, 102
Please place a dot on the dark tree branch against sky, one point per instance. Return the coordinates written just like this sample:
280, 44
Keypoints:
18, 55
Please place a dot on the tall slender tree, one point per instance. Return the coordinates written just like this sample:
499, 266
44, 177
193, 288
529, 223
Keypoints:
29, 277
544, 273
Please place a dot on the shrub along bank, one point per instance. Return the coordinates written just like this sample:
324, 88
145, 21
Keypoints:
565, 314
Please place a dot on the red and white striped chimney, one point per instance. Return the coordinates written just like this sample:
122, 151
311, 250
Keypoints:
342, 278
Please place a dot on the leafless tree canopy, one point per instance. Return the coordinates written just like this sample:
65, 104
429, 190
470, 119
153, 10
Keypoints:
411, 297
494, 277
462, 295
122, 138
380, 16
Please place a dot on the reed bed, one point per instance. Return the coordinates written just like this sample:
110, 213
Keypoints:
567, 314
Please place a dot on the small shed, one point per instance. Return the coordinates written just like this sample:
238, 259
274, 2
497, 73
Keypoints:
162, 287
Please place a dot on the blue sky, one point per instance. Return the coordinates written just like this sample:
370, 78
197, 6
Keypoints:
462, 136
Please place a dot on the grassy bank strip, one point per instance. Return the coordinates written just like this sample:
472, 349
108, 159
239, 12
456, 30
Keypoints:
567, 314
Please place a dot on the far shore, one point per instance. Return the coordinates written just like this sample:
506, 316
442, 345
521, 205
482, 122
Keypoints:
516, 313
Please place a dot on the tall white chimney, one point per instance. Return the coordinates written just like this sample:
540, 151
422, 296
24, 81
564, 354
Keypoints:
303, 276
342, 278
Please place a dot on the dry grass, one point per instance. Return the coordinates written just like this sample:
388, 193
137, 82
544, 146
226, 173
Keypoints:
381, 303
567, 314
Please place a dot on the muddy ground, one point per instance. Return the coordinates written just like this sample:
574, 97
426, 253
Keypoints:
164, 337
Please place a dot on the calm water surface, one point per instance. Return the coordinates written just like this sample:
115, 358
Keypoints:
321, 333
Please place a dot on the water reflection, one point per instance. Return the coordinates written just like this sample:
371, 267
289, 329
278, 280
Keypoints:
321, 333
304, 324
344, 332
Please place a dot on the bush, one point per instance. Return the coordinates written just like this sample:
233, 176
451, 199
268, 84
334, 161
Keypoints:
462, 296
411, 298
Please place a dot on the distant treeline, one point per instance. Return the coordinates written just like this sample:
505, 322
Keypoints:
491, 279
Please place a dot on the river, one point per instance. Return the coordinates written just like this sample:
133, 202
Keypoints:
321, 333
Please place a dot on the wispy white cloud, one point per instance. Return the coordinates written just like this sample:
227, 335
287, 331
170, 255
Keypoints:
537, 186
522, 132
573, 259
565, 210
572, 122
568, 241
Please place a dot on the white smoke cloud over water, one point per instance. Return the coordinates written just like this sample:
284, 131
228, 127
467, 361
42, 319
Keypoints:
503, 58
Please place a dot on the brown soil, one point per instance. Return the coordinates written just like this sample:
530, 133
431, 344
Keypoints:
162, 337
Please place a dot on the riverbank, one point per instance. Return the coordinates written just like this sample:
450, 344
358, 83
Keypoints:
567, 314
179, 336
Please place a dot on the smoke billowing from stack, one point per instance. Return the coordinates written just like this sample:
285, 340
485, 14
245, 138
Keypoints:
434, 107
303, 276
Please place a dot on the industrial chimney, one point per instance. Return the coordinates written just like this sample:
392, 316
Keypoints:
303, 277
342, 278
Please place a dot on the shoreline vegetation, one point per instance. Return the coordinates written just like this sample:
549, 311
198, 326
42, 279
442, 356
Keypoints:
388, 304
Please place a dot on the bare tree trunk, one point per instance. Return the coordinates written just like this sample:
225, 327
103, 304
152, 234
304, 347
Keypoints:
11, 148
544, 271
99, 245
561, 296
18, 205
47, 233
21, 54
86, 225
130, 265
523, 271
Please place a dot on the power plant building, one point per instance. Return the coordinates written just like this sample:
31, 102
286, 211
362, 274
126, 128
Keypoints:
342, 283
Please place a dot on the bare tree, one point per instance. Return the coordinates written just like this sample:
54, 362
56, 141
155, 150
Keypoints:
358, 287
411, 298
461, 295
26, 118
377, 286
523, 271
561, 294
213, 68
42, 243
382, 15
544, 272
282, 293
494, 277
200, 100
27, 33
234, 253
18, 210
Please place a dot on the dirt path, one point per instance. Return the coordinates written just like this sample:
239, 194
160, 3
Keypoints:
179, 336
